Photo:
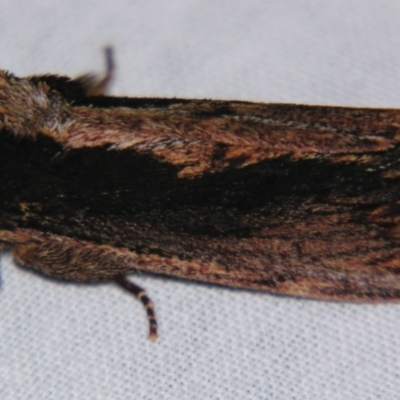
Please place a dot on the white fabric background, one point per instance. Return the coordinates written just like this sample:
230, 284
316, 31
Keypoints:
67, 341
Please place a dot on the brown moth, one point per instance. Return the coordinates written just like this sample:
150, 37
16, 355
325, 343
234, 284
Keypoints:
291, 199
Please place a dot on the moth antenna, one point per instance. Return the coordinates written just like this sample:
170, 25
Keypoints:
110, 64
110, 68
141, 295
96, 85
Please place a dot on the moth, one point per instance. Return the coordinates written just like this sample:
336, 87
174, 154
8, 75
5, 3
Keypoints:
291, 199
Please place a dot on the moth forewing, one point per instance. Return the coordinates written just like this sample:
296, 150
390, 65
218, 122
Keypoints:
291, 199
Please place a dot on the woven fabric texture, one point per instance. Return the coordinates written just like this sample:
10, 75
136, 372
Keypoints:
65, 341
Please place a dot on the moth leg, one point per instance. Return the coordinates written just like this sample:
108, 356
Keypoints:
141, 295
96, 85
73, 260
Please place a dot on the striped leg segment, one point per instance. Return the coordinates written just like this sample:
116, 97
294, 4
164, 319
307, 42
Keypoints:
142, 296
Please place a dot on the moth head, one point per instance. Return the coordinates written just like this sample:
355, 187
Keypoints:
26, 109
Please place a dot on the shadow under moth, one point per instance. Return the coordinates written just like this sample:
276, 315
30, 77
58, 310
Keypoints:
291, 199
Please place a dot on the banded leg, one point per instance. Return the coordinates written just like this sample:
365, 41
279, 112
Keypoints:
142, 296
